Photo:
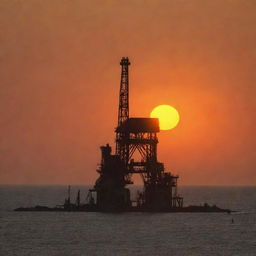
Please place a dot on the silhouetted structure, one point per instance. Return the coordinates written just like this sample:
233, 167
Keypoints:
134, 134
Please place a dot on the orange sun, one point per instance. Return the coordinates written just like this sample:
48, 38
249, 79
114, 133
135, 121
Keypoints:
168, 116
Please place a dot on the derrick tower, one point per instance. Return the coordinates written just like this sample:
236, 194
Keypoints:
122, 149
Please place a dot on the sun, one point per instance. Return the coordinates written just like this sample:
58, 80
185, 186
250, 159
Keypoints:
168, 116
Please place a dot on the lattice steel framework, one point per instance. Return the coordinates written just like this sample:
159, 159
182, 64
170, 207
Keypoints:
122, 148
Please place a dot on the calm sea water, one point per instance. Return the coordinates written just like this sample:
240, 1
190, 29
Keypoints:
81, 233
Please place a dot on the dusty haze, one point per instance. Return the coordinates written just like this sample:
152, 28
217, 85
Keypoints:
59, 80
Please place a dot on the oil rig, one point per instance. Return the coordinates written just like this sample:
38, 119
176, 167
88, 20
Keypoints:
134, 136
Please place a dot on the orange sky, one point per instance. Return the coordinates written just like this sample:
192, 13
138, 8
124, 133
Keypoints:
59, 79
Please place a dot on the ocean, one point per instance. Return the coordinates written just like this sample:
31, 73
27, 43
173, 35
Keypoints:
82, 233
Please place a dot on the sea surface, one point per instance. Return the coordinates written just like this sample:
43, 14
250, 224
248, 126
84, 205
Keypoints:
82, 233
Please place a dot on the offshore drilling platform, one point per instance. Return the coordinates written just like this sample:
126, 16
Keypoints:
116, 170
110, 192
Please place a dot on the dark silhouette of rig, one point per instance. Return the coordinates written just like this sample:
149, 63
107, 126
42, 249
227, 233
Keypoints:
116, 170
110, 192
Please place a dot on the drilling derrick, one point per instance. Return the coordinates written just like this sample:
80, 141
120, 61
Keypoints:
134, 135
123, 110
122, 148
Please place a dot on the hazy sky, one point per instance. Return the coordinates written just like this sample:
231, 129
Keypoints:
60, 73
